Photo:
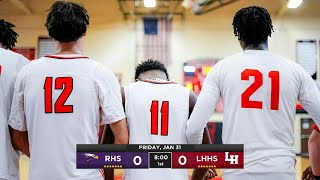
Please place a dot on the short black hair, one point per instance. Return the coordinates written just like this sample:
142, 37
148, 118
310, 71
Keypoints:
8, 37
67, 21
252, 25
149, 65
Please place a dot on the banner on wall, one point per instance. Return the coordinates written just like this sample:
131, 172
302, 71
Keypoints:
307, 56
46, 46
28, 52
157, 39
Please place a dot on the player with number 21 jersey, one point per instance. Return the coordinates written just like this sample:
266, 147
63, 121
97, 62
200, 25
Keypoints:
259, 90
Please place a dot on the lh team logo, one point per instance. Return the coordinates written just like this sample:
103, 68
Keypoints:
89, 157
233, 159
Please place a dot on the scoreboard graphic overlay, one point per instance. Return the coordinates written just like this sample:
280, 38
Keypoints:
160, 156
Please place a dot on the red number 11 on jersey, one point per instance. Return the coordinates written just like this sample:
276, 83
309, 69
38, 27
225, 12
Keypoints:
164, 117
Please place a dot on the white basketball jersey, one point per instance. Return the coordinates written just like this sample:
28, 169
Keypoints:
10, 65
57, 99
259, 91
157, 113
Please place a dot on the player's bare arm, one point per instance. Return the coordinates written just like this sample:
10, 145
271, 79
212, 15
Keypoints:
120, 132
211, 173
20, 141
307, 174
314, 153
108, 138
200, 173
107, 135
120, 128
313, 172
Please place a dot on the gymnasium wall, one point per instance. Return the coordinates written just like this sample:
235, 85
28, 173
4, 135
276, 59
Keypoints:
217, 38
113, 43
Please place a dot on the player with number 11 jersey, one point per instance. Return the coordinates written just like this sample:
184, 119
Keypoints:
157, 111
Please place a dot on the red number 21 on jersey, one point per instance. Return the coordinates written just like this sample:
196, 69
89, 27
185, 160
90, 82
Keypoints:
65, 83
258, 82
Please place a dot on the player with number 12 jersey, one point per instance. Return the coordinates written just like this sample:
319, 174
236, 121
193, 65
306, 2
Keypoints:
57, 99
61, 100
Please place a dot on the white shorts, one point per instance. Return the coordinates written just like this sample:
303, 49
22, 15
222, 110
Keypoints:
281, 168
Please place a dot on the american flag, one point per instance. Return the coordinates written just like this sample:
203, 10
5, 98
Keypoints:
157, 39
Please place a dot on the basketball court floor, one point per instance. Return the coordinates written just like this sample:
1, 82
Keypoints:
302, 163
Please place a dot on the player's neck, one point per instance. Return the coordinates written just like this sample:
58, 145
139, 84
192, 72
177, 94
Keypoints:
1, 46
261, 46
153, 79
153, 74
74, 47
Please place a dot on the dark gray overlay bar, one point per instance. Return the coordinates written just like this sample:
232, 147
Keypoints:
160, 148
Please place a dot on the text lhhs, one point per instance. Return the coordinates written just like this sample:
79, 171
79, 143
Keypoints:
207, 158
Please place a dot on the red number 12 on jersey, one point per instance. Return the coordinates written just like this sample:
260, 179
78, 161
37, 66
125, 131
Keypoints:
65, 83
258, 82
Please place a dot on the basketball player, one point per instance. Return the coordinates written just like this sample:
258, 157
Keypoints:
10, 65
259, 91
57, 100
314, 156
157, 111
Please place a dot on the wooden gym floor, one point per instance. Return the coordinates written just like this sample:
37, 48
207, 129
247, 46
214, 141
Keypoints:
302, 163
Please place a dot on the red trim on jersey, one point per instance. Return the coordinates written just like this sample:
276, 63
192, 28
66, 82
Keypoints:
66, 57
299, 106
315, 127
158, 82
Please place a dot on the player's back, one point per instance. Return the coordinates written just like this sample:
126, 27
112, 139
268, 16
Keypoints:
259, 91
10, 65
157, 113
62, 110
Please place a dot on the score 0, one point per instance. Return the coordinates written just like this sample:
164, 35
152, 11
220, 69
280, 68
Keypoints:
134, 160
182, 160
137, 160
